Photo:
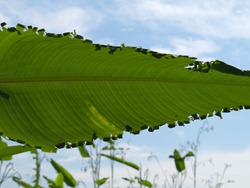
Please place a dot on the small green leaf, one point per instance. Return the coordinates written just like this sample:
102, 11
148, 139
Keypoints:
59, 180
120, 160
144, 182
101, 181
108, 148
83, 151
129, 180
68, 178
7, 152
58, 183
22, 183
50, 181
4, 145
189, 154
179, 161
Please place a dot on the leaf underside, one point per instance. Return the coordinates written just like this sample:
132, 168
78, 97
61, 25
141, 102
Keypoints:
62, 90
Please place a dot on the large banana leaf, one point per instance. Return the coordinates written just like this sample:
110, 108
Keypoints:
61, 89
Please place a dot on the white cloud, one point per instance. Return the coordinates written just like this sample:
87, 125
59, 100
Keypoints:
191, 47
53, 18
237, 172
209, 18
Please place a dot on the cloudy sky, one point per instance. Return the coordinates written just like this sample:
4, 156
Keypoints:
208, 30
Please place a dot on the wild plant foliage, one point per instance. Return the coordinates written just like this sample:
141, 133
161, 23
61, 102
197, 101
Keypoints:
61, 90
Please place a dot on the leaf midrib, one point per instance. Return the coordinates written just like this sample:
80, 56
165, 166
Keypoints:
115, 79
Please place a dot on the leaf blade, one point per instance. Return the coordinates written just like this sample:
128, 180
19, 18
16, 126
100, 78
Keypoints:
9, 151
122, 161
50, 89
68, 178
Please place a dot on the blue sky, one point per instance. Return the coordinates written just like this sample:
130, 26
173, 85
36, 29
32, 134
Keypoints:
207, 30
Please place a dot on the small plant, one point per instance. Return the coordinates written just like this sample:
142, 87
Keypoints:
140, 180
216, 180
194, 147
8, 170
180, 166
63, 175
177, 179
96, 153
36, 181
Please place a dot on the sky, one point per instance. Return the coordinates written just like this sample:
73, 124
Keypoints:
208, 30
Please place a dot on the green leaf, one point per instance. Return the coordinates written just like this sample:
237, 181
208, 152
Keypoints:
101, 181
111, 146
50, 181
189, 154
68, 178
22, 183
144, 182
60, 90
59, 180
120, 160
4, 145
58, 183
108, 148
7, 152
83, 151
129, 180
180, 161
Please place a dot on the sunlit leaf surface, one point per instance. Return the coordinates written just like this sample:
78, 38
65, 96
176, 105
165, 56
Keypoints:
62, 90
